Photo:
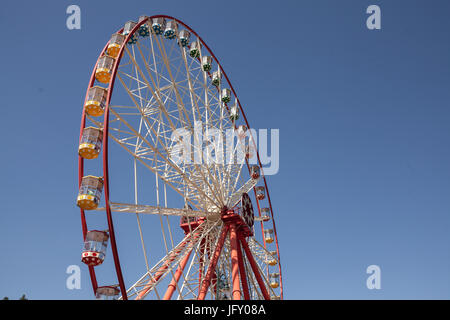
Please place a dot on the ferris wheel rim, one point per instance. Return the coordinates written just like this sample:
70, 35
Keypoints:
105, 153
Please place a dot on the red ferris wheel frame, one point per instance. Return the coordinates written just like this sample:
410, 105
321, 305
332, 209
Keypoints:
236, 238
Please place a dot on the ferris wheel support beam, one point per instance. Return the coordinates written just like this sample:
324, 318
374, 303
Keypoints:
214, 274
165, 266
254, 267
206, 252
242, 272
173, 284
160, 272
211, 268
236, 294
201, 263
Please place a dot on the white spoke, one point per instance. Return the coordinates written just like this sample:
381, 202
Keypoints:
236, 197
147, 209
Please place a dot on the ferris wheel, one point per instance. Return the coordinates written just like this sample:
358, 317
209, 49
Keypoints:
200, 219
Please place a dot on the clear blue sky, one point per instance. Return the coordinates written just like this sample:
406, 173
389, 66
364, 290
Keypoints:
364, 125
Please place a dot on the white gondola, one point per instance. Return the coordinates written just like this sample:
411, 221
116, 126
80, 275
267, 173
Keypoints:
170, 32
184, 37
260, 192
94, 249
107, 293
254, 172
216, 78
234, 113
265, 214
206, 63
194, 49
226, 95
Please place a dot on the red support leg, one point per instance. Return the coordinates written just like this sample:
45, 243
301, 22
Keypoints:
255, 269
236, 294
176, 278
93, 279
214, 275
212, 266
201, 267
242, 272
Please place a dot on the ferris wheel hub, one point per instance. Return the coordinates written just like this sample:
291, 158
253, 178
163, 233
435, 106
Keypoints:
230, 217
213, 217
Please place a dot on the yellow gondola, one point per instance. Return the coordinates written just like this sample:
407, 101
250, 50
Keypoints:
90, 192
